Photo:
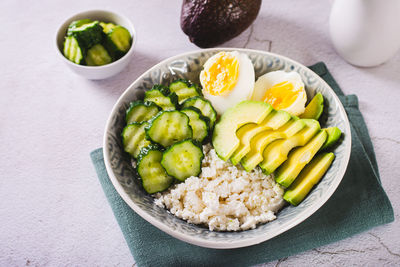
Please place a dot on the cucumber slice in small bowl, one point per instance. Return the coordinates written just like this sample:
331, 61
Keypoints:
74, 50
98, 56
118, 41
89, 33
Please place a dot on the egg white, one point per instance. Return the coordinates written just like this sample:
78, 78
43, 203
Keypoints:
269, 79
243, 90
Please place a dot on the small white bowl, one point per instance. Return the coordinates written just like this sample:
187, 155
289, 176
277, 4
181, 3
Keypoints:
97, 72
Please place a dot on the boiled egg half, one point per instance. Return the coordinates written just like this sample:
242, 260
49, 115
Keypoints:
283, 90
227, 78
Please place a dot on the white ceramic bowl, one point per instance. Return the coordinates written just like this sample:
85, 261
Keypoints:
97, 72
188, 66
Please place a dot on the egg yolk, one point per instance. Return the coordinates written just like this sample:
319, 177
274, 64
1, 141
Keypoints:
221, 77
281, 95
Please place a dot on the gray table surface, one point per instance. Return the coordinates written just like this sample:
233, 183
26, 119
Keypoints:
53, 211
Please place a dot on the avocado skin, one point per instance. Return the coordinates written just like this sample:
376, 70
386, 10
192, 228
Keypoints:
212, 22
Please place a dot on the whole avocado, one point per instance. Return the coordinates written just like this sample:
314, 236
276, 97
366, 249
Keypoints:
212, 22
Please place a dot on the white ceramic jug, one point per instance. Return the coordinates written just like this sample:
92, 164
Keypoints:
365, 32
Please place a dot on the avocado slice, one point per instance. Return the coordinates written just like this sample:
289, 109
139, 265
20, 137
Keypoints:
308, 177
224, 138
277, 152
334, 133
273, 121
288, 172
245, 133
261, 140
276, 119
314, 108
213, 22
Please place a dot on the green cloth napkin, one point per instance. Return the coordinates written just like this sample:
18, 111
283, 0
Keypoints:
358, 204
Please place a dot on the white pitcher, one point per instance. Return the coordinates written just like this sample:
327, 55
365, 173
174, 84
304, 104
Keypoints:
365, 32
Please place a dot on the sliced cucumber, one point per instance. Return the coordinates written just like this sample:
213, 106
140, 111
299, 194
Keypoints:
169, 127
77, 24
184, 90
134, 138
118, 41
204, 106
139, 111
161, 96
89, 33
97, 56
198, 122
107, 27
178, 85
162, 88
183, 160
154, 177
73, 51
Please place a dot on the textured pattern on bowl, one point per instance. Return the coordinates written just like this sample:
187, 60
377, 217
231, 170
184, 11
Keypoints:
188, 66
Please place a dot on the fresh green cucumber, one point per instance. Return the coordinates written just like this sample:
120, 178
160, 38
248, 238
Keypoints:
139, 111
134, 138
107, 27
77, 24
73, 50
204, 106
183, 160
89, 33
118, 41
198, 122
169, 127
97, 56
154, 177
162, 97
184, 90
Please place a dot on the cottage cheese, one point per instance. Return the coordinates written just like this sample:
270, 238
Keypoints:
224, 197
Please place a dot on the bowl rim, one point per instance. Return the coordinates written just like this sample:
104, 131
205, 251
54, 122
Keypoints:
211, 243
71, 18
